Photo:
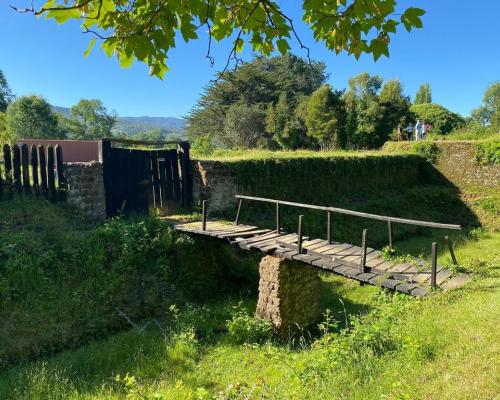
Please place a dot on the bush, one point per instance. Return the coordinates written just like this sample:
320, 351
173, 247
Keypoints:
244, 328
427, 150
488, 153
441, 119
202, 146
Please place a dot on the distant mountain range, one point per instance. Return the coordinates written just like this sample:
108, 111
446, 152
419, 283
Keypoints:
169, 126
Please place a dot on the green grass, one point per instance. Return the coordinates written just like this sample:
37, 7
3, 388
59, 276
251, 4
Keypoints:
443, 347
256, 154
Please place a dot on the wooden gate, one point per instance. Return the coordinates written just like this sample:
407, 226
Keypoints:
137, 180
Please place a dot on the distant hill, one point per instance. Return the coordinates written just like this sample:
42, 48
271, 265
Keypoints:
169, 126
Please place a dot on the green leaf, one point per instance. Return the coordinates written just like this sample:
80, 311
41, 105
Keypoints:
239, 45
61, 16
283, 46
411, 18
89, 47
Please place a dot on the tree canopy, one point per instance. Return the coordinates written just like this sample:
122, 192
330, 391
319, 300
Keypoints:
325, 118
424, 94
89, 119
147, 30
32, 117
441, 120
6, 95
259, 82
488, 114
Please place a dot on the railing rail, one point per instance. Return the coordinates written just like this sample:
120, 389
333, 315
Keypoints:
353, 213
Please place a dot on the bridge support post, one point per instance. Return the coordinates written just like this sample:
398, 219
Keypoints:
289, 295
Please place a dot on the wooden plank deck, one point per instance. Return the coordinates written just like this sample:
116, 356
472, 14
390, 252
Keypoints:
341, 258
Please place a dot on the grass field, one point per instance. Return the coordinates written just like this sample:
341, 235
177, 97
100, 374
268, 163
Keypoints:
442, 347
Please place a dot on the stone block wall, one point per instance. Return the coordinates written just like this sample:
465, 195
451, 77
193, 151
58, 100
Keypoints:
214, 181
457, 162
86, 188
289, 295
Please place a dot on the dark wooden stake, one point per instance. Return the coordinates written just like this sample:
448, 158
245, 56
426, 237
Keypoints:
363, 251
51, 182
25, 168
277, 217
299, 244
238, 212
204, 215
329, 238
43, 170
450, 248
34, 168
389, 231
7, 164
433, 266
16, 161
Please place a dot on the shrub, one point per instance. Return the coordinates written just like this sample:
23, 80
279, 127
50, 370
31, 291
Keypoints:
427, 150
488, 153
244, 328
441, 119
202, 146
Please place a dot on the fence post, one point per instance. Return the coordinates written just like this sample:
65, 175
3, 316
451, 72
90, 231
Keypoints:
61, 178
25, 168
7, 164
450, 248
104, 158
363, 251
299, 244
16, 160
43, 169
238, 212
389, 231
329, 238
204, 215
34, 169
186, 175
51, 183
433, 265
277, 217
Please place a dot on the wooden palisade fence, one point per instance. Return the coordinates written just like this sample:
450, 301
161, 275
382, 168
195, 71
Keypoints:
35, 171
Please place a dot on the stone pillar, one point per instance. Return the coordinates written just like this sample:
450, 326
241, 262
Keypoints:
289, 294
86, 188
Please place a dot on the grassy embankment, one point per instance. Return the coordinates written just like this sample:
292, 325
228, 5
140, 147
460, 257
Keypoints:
443, 347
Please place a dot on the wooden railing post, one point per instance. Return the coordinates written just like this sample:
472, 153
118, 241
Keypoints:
450, 248
363, 251
299, 233
204, 215
277, 217
236, 220
433, 265
329, 238
389, 231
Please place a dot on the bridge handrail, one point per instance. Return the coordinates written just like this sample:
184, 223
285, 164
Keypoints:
354, 213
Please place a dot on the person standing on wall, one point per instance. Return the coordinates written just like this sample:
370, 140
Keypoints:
418, 127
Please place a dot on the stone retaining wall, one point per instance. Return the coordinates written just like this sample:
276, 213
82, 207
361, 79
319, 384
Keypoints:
86, 188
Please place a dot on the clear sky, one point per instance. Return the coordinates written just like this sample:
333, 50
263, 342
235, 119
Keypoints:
457, 52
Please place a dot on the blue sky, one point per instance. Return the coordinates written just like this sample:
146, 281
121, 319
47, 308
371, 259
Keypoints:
457, 52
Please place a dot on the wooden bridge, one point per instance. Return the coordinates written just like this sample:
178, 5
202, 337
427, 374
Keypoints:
361, 263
